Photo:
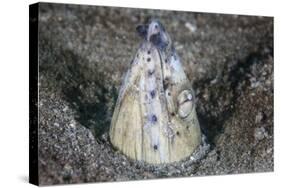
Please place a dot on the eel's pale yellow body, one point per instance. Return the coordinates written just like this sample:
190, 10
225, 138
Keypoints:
154, 118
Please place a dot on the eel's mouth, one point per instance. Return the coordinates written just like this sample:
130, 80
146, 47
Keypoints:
155, 38
158, 41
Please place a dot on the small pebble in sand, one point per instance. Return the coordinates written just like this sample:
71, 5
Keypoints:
72, 124
260, 133
259, 117
56, 124
192, 28
65, 109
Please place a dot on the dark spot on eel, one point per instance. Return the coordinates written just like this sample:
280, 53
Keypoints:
146, 97
155, 147
153, 118
150, 72
172, 114
166, 83
152, 93
148, 52
178, 133
148, 59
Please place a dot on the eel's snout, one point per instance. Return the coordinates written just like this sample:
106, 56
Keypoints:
155, 28
155, 33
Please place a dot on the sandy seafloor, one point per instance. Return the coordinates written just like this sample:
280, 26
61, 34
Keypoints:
83, 53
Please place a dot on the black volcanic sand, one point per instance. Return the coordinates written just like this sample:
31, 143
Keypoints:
85, 50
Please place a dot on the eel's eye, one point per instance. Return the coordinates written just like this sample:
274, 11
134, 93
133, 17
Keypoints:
185, 103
